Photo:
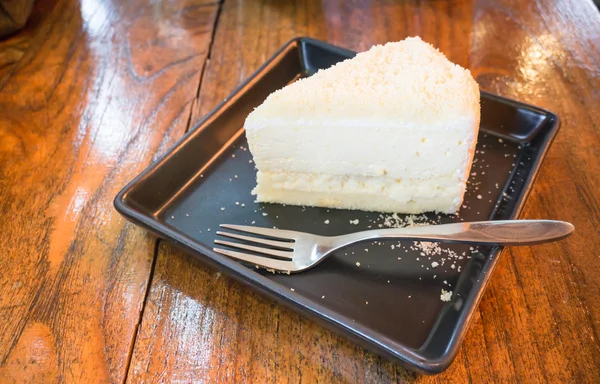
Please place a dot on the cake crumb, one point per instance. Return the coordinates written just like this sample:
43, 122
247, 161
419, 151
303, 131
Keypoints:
265, 214
292, 289
357, 264
354, 222
253, 222
446, 295
326, 221
479, 197
322, 297
222, 208
243, 205
434, 264
237, 203
366, 302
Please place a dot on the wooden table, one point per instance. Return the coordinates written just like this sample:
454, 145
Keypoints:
93, 90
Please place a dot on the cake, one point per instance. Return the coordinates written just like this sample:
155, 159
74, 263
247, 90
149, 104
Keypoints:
391, 130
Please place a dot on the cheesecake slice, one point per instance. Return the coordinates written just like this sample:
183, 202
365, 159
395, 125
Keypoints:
391, 130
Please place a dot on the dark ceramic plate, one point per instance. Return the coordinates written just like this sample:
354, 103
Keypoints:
390, 304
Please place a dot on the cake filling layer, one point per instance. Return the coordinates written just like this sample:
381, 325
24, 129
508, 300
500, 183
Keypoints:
419, 152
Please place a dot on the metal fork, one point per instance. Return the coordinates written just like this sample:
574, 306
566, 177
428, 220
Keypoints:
291, 251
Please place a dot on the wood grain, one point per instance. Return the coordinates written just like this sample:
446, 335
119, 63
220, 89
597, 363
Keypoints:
539, 319
14, 15
100, 89
92, 91
14, 47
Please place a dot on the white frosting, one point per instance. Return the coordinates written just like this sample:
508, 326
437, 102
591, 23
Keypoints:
402, 81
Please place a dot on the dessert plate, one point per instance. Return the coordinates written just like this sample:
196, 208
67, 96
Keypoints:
409, 302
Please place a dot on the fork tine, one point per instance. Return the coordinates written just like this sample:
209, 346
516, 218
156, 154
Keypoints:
266, 251
259, 240
276, 233
265, 262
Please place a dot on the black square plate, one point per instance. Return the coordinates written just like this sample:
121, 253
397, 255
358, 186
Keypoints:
387, 300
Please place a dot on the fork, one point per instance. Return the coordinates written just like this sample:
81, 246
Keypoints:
292, 251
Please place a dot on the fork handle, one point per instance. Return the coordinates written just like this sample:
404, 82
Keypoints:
500, 232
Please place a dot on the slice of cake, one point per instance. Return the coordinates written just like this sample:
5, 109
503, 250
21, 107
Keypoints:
391, 130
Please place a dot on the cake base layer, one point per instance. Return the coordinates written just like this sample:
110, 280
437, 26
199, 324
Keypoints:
380, 194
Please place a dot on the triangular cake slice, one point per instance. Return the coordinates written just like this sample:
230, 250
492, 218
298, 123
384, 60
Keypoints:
391, 130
